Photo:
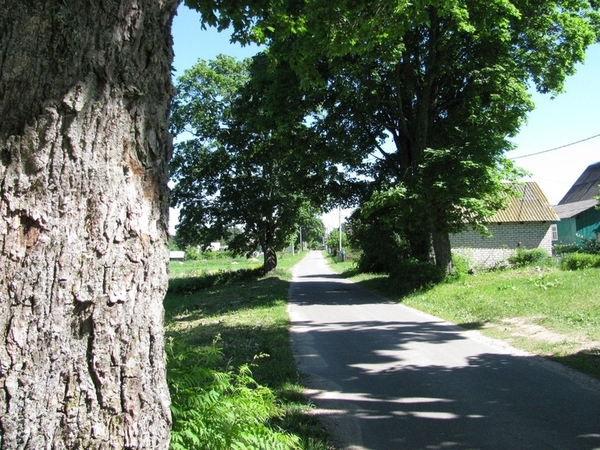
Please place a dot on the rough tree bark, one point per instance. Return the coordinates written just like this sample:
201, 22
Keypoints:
84, 95
270, 254
443, 251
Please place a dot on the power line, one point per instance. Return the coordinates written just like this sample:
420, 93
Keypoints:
556, 148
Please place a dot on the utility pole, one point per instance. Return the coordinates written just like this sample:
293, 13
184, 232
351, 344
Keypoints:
340, 227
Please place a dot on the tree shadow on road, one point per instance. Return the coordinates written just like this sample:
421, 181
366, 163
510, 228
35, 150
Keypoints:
370, 373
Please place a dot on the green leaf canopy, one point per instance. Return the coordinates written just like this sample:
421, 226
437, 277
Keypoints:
445, 81
248, 158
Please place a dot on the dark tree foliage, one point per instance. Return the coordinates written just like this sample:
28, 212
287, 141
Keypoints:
381, 246
252, 163
312, 228
445, 81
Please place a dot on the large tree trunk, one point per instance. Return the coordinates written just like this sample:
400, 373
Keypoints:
84, 95
270, 254
443, 251
269, 259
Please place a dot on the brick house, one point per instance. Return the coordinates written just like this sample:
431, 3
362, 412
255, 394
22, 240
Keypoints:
528, 222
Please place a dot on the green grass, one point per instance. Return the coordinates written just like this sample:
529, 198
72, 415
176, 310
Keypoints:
201, 267
546, 311
248, 314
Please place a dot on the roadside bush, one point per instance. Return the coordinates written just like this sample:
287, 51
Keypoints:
577, 261
192, 254
411, 275
562, 249
591, 246
315, 245
462, 267
333, 242
216, 409
526, 257
371, 261
381, 247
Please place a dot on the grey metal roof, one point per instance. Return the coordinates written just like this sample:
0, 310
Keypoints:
531, 206
586, 186
569, 210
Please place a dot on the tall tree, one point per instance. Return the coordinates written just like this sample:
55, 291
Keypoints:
312, 228
84, 145
248, 162
445, 80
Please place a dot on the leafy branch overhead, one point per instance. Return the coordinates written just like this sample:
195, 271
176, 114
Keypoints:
423, 95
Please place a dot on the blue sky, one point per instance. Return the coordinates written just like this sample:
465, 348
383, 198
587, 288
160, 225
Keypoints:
571, 116
190, 42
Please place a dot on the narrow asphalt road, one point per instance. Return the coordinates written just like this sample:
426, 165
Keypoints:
385, 376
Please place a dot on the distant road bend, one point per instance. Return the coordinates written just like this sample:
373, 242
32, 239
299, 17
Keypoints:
385, 376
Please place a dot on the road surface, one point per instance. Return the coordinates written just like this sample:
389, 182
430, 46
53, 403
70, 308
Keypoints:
385, 376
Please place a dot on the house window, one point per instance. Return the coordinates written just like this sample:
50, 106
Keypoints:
554, 229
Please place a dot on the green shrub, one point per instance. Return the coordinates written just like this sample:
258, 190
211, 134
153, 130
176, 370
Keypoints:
381, 246
562, 249
191, 254
333, 242
526, 257
380, 252
209, 254
462, 267
591, 246
315, 245
577, 261
219, 410
225, 254
411, 275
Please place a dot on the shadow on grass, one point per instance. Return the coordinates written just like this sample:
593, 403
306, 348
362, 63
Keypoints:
187, 285
586, 361
349, 273
408, 277
241, 308
248, 314
396, 289
477, 325
245, 313
241, 343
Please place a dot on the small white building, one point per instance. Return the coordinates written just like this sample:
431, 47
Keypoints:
176, 255
214, 246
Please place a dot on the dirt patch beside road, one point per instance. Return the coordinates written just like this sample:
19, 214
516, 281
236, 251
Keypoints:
525, 333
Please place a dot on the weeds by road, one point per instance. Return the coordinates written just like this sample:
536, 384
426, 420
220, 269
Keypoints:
247, 313
544, 310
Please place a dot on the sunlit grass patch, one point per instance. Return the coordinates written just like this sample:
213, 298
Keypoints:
248, 311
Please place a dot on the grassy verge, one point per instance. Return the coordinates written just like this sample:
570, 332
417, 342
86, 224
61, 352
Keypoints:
187, 269
543, 310
247, 315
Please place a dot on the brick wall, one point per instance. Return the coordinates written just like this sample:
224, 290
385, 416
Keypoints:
488, 251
